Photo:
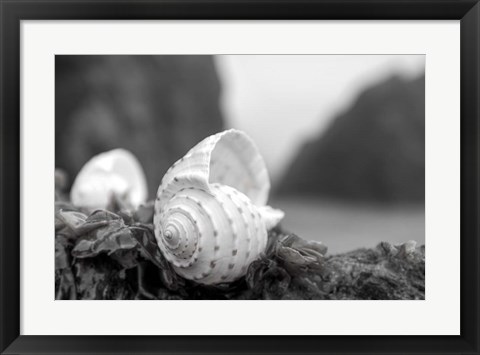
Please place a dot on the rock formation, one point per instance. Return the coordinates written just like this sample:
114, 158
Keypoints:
375, 151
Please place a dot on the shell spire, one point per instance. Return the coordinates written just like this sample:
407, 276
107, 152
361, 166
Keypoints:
211, 218
271, 216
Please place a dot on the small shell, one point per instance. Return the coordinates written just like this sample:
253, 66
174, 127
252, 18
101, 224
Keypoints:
113, 175
210, 218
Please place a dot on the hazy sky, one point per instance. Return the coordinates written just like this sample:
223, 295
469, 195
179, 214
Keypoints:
281, 101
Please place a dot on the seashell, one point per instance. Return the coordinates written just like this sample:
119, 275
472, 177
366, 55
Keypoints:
113, 176
211, 218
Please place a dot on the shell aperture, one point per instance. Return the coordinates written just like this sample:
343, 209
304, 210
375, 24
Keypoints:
211, 217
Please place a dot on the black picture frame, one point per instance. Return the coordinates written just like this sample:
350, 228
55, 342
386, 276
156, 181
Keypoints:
12, 12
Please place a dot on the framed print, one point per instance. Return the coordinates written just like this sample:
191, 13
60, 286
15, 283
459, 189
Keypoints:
239, 177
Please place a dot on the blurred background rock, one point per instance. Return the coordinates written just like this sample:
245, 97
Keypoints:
158, 107
343, 136
373, 152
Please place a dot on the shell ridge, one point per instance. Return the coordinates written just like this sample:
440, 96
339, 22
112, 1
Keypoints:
222, 193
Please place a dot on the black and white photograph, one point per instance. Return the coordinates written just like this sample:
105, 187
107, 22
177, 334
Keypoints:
240, 177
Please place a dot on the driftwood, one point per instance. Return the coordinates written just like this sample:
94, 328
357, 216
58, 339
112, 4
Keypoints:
113, 255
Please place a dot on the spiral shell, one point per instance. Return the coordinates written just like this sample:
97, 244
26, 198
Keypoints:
113, 176
210, 218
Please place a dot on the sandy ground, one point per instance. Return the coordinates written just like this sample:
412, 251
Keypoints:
344, 227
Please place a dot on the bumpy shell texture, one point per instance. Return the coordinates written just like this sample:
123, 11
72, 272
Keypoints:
115, 176
211, 218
